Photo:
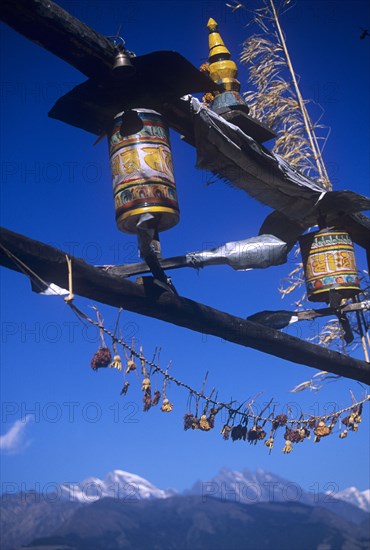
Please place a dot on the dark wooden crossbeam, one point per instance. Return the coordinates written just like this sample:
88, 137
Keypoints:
154, 301
56, 30
53, 28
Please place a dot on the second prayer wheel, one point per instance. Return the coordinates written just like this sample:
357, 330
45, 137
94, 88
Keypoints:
329, 264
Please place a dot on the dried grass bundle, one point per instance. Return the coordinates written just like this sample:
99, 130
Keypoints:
276, 99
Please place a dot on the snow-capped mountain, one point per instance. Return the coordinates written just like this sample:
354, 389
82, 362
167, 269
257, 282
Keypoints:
116, 484
248, 487
25, 517
361, 499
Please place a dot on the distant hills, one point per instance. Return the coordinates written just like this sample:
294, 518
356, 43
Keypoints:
234, 510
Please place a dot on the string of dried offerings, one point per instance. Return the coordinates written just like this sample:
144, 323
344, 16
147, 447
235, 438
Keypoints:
236, 427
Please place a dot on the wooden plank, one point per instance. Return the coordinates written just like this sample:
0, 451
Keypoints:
154, 301
138, 268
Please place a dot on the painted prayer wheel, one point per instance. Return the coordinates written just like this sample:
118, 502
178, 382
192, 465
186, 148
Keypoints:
329, 263
142, 170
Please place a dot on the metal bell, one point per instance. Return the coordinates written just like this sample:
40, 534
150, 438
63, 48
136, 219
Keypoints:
122, 64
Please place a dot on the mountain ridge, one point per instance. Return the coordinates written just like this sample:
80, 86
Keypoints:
183, 522
246, 485
24, 515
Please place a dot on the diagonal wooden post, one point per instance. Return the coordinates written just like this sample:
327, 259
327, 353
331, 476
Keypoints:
152, 300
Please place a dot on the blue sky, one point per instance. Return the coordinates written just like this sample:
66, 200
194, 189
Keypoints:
56, 187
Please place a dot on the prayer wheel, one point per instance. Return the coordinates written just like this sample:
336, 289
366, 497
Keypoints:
142, 170
329, 264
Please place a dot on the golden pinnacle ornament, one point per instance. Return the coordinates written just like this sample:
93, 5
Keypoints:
223, 71
142, 170
329, 264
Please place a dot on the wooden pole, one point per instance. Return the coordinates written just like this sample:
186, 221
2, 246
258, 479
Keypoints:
307, 122
152, 300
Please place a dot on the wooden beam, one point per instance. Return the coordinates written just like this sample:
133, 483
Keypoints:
53, 28
152, 300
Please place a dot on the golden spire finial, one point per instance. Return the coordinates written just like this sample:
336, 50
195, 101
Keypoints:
216, 44
222, 69
212, 24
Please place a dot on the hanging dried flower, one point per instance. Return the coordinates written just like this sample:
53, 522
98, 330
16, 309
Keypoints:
166, 406
102, 358
304, 433
269, 442
116, 363
348, 420
145, 384
343, 434
125, 388
214, 411
256, 433
294, 436
195, 423
312, 423
204, 424
239, 432
333, 421
288, 447
188, 421
322, 429
351, 421
211, 421
279, 420
156, 398
358, 412
225, 432
147, 400
130, 366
